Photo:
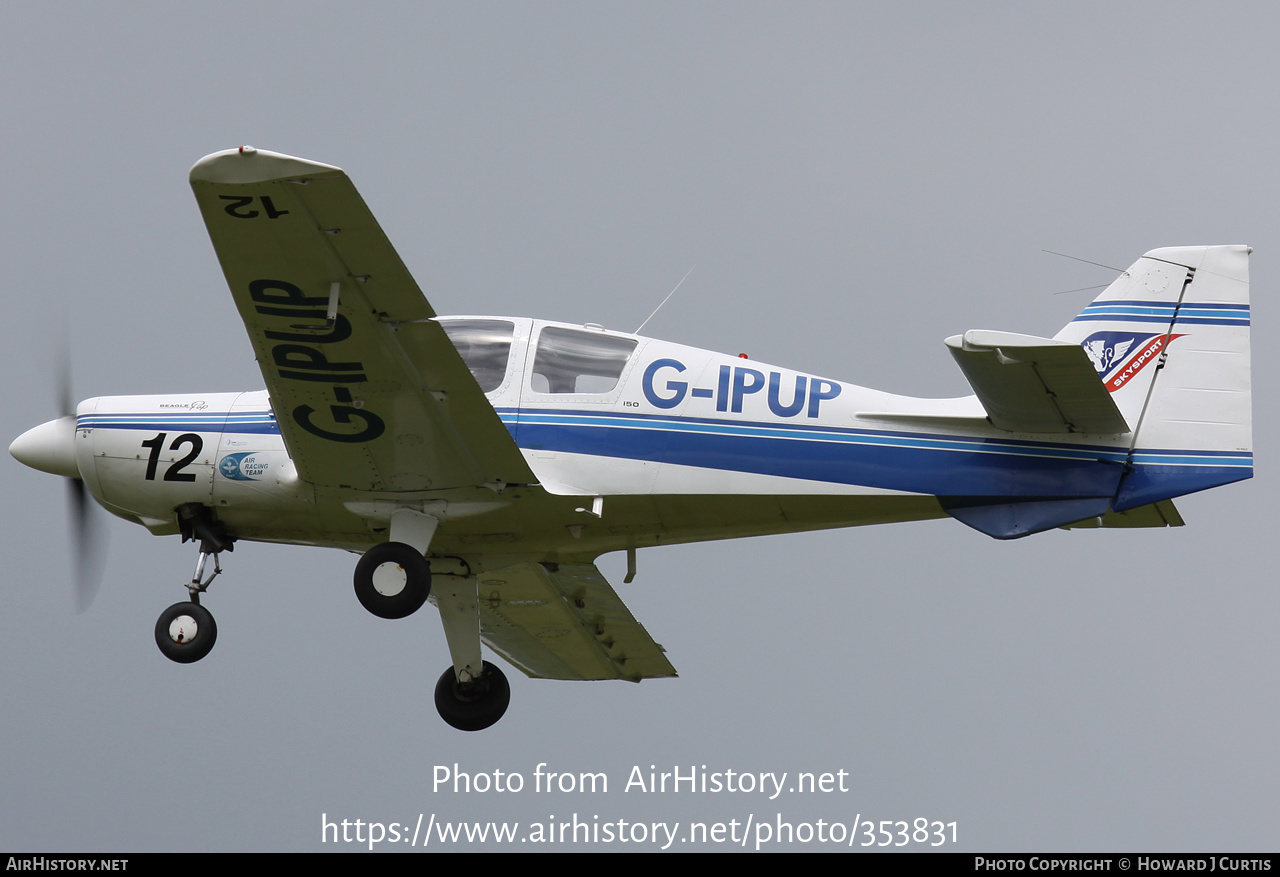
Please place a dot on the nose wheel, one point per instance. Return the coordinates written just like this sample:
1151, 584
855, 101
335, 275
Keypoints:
186, 632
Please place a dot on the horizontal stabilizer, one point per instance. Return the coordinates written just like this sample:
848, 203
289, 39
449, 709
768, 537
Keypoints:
564, 621
1030, 384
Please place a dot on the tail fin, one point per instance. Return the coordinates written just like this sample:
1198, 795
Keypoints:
1170, 339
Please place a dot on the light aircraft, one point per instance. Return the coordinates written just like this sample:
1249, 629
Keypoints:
486, 462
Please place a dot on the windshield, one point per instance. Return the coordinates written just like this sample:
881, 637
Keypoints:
485, 346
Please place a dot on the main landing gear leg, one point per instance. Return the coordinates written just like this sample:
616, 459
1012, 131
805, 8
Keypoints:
186, 632
472, 694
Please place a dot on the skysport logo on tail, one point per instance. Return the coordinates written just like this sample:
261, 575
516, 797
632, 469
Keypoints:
1119, 356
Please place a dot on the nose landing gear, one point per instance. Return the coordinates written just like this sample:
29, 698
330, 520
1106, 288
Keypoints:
186, 632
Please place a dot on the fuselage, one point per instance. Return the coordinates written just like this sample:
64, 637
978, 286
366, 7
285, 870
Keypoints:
680, 444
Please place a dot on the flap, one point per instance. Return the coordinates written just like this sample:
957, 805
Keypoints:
564, 621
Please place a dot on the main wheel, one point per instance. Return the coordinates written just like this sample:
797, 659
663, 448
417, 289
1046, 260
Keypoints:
392, 580
186, 632
476, 705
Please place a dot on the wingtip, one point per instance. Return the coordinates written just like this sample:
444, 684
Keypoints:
245, 164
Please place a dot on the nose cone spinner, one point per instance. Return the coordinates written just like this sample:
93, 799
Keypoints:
49, 447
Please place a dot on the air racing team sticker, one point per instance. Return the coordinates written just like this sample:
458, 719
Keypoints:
244, 466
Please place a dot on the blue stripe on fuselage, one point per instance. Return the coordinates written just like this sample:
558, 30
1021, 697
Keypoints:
889, 466
246, 423
927, 463
915, 462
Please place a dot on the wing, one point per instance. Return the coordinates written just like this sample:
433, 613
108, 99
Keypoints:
1030, 384
564, 621
367, 389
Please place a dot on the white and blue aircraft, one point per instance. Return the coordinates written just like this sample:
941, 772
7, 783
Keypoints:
486, 462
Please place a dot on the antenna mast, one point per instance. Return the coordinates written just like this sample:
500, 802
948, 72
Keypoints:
665, 300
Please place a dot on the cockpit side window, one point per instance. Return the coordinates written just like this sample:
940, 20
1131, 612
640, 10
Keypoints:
485, 346
571, 361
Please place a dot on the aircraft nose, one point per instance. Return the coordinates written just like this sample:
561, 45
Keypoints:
49, 447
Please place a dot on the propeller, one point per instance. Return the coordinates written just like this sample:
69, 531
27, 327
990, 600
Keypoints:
50, 447
86, 529
88, 544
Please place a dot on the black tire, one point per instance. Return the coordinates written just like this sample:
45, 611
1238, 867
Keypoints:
417, 580
186, 641
476, 706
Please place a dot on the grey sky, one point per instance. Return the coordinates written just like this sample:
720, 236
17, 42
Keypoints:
854, 182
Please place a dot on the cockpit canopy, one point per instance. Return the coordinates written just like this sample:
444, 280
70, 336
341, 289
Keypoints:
565, 361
